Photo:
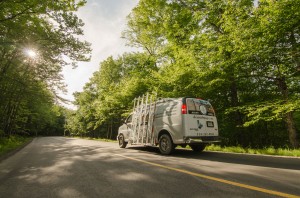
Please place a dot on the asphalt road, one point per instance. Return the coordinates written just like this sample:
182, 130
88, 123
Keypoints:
68, 167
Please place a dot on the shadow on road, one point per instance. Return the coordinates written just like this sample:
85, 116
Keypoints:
65, 167
233, 158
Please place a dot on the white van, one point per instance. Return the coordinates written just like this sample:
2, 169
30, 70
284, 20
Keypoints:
170, 122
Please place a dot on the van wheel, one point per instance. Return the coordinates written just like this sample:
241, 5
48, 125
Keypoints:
122, 143
198, 148
166, 146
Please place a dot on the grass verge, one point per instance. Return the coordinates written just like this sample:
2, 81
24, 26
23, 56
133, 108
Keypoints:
265, 151
233, 149
13, 142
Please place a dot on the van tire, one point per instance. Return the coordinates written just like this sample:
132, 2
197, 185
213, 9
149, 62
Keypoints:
166, 146
198, 148
122, 143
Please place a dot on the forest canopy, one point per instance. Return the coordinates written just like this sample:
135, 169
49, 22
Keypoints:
241, 55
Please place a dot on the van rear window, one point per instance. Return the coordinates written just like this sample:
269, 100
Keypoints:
199, 106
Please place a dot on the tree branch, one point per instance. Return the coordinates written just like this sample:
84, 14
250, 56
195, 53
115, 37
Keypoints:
18, 14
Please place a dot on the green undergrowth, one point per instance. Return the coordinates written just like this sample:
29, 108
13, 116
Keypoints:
8, 144
265, 151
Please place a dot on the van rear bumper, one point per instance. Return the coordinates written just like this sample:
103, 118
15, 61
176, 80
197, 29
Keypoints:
205, 139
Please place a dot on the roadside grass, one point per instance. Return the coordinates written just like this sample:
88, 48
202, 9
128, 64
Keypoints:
12, 143
265, 151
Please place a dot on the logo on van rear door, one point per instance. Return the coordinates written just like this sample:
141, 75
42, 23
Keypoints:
199, 124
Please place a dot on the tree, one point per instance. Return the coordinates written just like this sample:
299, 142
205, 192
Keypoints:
52, 30
106, 99
269, 42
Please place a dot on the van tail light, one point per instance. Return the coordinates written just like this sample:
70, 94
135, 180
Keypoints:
183, 109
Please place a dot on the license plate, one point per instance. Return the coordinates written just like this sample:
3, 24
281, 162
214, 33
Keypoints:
210, 124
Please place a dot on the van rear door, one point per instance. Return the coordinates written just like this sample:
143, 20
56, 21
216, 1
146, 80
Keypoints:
199, 118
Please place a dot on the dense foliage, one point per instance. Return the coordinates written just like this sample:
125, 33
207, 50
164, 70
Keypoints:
242, 55
37, 38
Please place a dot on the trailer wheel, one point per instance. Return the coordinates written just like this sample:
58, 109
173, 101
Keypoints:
166, 146
122, 143
198, 148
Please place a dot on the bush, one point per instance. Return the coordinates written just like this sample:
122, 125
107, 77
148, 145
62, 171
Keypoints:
8, 144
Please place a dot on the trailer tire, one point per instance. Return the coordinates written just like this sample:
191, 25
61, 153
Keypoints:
122, 143
166, 146
198, 148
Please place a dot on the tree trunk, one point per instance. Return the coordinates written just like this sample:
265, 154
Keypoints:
111, 129
292, 130
289, 120
107, 131
235, 102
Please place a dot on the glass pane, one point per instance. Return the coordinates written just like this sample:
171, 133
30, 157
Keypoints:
198, 106
129, 119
